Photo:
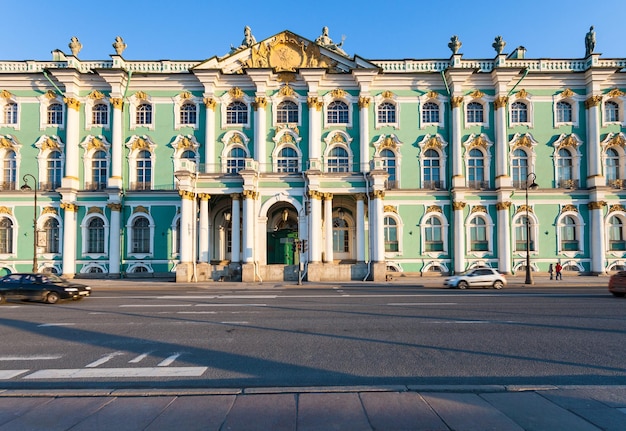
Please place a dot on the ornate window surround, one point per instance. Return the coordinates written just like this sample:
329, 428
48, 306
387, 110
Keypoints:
580, 227
135, 101
84, 228
574, 100
45, 100
437, 143
7, 98
437, 99
93, 99
343, 96
181, 99
489, 226
129, 236
445, 226
386, 97
227, 98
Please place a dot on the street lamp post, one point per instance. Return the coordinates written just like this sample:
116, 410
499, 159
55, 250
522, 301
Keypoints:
533, 185
28, 188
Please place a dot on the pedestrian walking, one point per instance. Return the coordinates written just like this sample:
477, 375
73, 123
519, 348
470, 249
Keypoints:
551, 271
559, 274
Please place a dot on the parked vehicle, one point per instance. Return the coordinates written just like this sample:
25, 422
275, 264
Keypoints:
48, 288
476, 277
617, 284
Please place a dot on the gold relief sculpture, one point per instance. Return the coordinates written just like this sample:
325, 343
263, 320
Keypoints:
117, 102
569, 141
141, 95
204, 196
479, 141
616, 92
185, 194
523, 209
185, 143
72, 103
378, 194
49, 210
314, 194
327, 196
67, 206
95, 95
434, 209
500, 102
617, 141
338, 138
286, 90
236, 93
259, 102
503, 206
210, 103
338, 93
185, 95
5, 94
567, 93
51, 95
458, 205
387, 94
115, 207
569, 207
596, 205
142, 209
5, 210
315, 102
140, 144
364, 102
286, 77
456, 102
433, 142
287, 139
50, 144
390, 209
432, 94
524, 141
95, 144
95, 210
388, 142
235, 139
477, 94
6, 142
593, 101
479, 209
617, 207
522, 94
250, 194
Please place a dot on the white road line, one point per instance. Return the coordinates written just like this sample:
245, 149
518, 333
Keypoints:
45, 325
168, 361
218, 297
139, 358
421, 303
103, 359
234, 323
30, 358
196, 312
94, 373
9, 374
231, 305
154, 305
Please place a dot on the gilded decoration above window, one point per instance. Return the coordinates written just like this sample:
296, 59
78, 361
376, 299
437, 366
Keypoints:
568, 207
616, 92
434, 209
567, 93
617, 207
479, 209
5, 94
96, 95
477, 94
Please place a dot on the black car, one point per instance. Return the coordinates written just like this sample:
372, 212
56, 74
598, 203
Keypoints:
49, 288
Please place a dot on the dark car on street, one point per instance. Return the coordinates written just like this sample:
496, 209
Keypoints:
617, 284
48, 288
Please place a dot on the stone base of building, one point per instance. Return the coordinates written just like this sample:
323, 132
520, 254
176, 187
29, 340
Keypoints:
318, 271
184, 272
378, 271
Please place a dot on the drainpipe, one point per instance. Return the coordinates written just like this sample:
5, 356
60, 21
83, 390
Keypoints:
526, 70
53, 84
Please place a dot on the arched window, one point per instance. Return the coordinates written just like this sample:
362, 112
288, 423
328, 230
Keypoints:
563, 112
519, 168
430, 112
55, 114
99, 171
565, 168
338, 160
476, 169
188, 114
432, 170
475, 113
95, 235
388, 159
341, 236
519, 112
143, 170
9, 171
235, 160
237, 113
140, 235
386, 113
100, 114
6, 236
433, 238
569, 237
53, 171
144, 114
51, 230
611, 170
287, 112
10, 113
478, 235
611, 112
391, 234
617, 239
287, 160
337, 112
521, 229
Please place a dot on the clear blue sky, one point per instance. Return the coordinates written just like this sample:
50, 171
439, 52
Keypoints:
389, 29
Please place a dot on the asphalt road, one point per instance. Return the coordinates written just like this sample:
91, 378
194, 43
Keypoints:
194, 337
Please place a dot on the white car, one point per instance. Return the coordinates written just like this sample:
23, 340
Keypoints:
477, 277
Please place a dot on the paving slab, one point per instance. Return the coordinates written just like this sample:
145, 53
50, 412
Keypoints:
276, 412
400, 411
13, 408
190, 413
328, 412
534, 412
469, 412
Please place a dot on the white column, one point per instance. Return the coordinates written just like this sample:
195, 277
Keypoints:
360, 228
315, 133
598, 241
71, 145
364, 132
502, 177
457, 153
315, 226
594, 159
115, 179
260, 132
459, 237
248, 225
377, 226
328, 227
504, 237
203, 240
235, 229
209, 136
114, 238
186, 226
69, 239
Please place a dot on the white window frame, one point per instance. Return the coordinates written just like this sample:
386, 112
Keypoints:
286, 138
573, 102
275, 104
129, 235
179, 101
15, 229
574, 147
88, 154
134, 102
608, 143
442, 112
527, 100
534, 231
399, 234
90, 103
444, 233
620, 111
45, 101
580, 229
84, 227
380, 100
332, 141
621, 215
233, 139
41, 223
180, 148
440, 147
486, 112
16, 149
226, 100
489, 226
347, 99
4, 103
132, 157
469, 145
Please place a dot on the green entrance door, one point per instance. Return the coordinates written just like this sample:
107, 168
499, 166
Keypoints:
280, 246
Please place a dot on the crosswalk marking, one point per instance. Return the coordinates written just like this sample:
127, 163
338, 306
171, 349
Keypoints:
103, 360
9, 374
139, 358
30, 358
168, 361
94, 373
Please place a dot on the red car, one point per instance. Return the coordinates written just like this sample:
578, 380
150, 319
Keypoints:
617, 284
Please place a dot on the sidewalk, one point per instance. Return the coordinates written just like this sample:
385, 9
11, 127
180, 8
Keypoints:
445, 408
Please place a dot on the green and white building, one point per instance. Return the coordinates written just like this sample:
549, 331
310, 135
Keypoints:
289, 156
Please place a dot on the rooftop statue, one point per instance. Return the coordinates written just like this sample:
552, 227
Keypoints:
247, 42
119, 45
454, 44
75, 46
325, 41
590, 42
498, 44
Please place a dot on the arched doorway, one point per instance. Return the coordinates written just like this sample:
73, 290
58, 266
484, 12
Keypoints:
282, 235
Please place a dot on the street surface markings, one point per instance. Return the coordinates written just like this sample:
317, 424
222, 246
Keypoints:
104, 359
30, 358
154, 305
218, 297
231, 305
234, 323
421, 303
139, 358
91, 373
9, 374
45, 325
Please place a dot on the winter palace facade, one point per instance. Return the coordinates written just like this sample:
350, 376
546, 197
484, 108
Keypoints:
289, 159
